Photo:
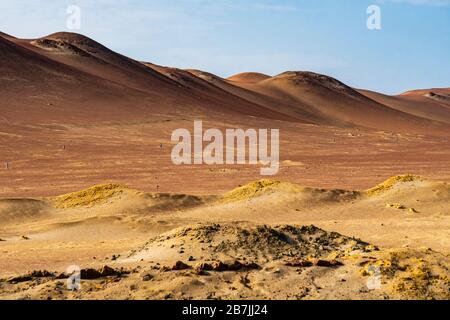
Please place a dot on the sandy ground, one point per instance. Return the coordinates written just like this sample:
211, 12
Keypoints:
48, 160
265, 226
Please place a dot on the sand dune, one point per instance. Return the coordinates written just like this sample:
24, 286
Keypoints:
109, 80
314, 94
176, 241
101, 83
49, 91
92, 57
212, 93
319, 99
248, 77
421, 92
65, 97
426, 104
86, 178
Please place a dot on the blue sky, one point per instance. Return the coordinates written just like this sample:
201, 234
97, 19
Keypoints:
412, 49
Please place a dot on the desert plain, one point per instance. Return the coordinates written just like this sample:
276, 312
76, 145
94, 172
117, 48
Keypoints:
360, 207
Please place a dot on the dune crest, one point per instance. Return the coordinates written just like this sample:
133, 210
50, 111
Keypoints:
391, 182
299, 78
257, 188
94, 195
248, 77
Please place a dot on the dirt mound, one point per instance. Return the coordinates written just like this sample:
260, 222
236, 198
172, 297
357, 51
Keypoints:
391, 182
249, 77
256, 189
73, 39
253, 242
127, 199
59, 46
97, 194
267, 187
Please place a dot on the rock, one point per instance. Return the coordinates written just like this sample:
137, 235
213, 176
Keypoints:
92, 274
244, 266
165, 268
19, 279
326, 263
201, 267
106, 271
179, 265
313, 262
235, 266
30, 276
147, 277
299, 263
41, 274
219, 266
168, 296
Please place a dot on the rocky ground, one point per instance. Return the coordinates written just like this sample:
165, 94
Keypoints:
232, 261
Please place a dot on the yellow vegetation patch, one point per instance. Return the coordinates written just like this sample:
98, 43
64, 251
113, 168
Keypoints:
411, 274
415, 281
94, 195
384, 266
257, 188
389, 183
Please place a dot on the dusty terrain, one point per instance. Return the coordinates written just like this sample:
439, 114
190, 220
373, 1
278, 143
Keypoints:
74, 114
252, 242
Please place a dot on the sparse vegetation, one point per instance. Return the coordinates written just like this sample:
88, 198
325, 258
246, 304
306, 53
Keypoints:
390, 183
